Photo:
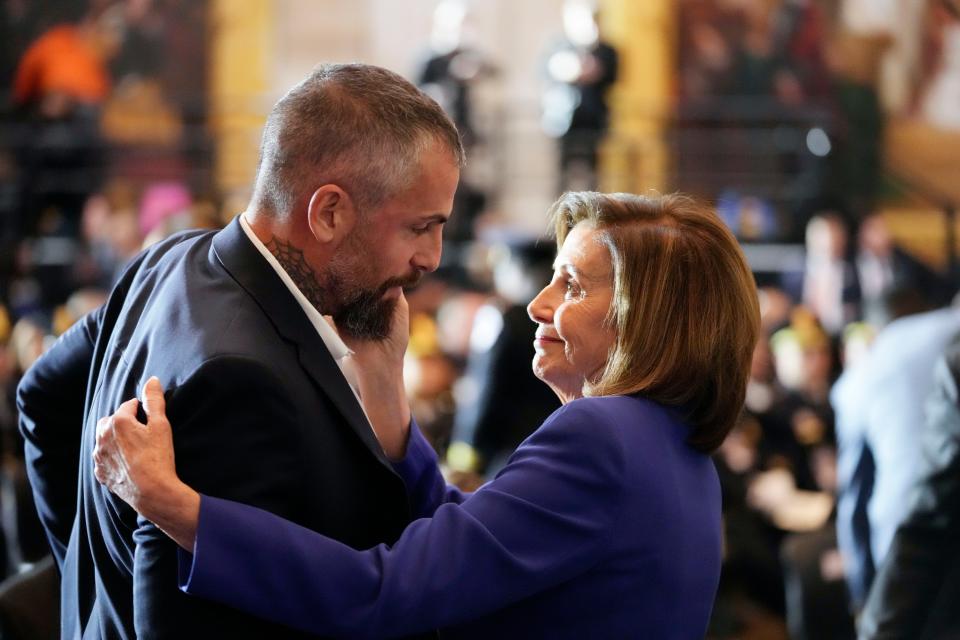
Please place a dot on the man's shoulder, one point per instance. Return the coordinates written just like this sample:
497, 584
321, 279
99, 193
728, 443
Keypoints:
180, 307
173, 248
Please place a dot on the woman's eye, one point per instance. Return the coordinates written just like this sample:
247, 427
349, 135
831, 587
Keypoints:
571, 290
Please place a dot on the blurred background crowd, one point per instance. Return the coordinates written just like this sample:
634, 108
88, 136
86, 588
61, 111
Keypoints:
826, 132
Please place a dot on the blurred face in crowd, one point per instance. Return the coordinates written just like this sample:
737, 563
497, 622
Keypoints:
818, 364
761, 365
826, 238
392, 247
875, 236
573, 338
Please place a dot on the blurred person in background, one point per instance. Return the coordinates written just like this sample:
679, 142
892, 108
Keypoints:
752, 574
60, 83
915, 592
453, 65
605, 522
751, 564
452, 68
111, 237
29, 597
442, 309
939, 90
854, 54
581, 68
879, 403
347, 208
165, 205
66, 64
500, 401
883, 267
830, 288
797, 489
778, 470
802, 504
806, 367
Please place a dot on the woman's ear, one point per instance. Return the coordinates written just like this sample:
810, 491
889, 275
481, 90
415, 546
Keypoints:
331, 214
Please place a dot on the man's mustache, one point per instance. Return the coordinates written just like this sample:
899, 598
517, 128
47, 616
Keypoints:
405, 282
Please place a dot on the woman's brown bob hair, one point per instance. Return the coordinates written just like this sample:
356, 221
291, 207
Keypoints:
684, 306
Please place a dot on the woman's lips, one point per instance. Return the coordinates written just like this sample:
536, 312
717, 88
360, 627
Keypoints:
546, 339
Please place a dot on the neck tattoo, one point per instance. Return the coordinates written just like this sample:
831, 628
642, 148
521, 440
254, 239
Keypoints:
292, 260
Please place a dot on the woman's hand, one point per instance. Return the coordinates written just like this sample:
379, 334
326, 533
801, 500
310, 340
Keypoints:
135, 461
378, 365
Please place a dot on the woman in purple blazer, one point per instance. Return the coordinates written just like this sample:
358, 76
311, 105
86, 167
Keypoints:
604, 523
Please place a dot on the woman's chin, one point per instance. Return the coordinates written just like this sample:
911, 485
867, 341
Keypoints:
541, 368
565, 388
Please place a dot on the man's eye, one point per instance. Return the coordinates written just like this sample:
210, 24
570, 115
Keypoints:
420, 230
571, 290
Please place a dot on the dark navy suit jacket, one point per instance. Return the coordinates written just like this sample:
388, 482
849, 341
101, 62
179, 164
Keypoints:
604, 524
261, 414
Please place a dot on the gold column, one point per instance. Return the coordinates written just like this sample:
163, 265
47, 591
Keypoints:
241, 46
635, 156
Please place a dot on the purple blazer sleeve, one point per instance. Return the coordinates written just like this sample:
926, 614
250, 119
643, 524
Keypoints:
543, 520
426, 487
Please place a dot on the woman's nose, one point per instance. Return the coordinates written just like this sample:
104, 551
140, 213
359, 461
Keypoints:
540, 308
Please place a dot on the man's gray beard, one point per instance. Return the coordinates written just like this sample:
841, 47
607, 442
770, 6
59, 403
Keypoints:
366, 314
367, 317
359, 312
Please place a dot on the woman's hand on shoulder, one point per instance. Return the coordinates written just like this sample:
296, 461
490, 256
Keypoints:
136, 462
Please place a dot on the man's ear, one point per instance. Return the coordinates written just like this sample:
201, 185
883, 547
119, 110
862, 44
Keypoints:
331, 214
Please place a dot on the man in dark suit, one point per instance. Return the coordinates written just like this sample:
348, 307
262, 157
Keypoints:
356, 178
916, 590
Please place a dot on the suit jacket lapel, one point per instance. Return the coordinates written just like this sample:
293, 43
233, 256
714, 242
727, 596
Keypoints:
245, 264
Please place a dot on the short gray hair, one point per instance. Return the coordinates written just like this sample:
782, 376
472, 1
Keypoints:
355, 125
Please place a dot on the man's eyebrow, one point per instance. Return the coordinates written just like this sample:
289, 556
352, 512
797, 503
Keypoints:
437, 217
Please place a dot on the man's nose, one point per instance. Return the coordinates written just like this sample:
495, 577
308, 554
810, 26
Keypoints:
427, 257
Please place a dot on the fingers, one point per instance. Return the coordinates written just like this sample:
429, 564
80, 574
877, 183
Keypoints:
104, 439
154, 403
128, 409
106, 446
402, 312
104, 425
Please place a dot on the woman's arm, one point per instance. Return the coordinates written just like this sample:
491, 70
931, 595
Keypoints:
136, 461
545, 519
378, 367
420, 470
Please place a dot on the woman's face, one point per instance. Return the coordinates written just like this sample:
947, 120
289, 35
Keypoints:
572, 340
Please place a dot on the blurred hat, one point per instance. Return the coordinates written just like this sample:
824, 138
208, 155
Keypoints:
162, 200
